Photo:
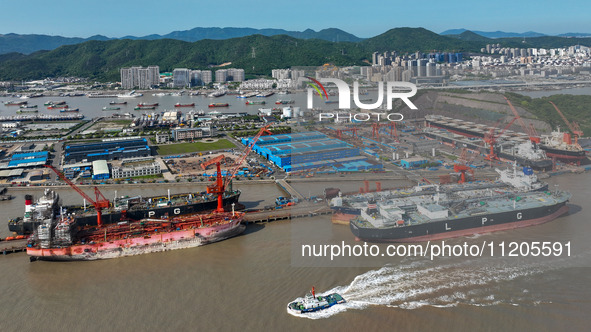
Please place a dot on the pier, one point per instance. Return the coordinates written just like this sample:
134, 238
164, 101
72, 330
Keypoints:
8, 247
301, 210
289, 189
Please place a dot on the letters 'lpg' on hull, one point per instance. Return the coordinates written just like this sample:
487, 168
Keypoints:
444, 229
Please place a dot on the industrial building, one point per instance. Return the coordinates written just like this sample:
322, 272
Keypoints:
136, 169
179, 134
413, 162
29, 159
100, 170
310, 150
106, 150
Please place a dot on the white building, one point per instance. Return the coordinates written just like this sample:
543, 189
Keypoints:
181, 77
136, 169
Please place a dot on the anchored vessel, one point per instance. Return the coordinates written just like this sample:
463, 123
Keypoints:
63, 239
123, 208
312, 303
457, 214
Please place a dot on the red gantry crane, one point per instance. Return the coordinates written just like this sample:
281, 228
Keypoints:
99, 203
531, 131
375, 130
217, 159
573, 126
220, 186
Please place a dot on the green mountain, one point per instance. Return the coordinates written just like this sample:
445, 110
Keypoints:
471, 36
102, 60
416, 39
31, 43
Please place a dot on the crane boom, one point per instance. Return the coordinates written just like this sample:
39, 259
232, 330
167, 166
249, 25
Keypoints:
574, 128
245, 154
529, 131
99, 202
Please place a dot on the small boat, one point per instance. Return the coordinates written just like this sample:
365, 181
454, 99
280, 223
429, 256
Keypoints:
255, 102
141, 108
218, 105
111, 108
25, 110
312, 303
147, 105
184, 105
118, 103
56, 107
69, 110
61, 102
28, 106
15, 103
284, 102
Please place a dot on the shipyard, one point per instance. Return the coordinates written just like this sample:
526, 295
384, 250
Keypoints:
261, 179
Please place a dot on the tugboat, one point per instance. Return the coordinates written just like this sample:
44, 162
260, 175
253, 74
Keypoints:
312, 303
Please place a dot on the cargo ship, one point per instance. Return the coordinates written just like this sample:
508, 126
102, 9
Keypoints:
57, 107
218, 105
510, 180
255, 102
70, 110
45, 208
111, 108
118, 103
126, 208
62, 239
147, 105
284, 102
556, 145
559, 145
435, 217
265, 94
311, 302
15, 103
141, 108
184, 105
27, 110
28, 106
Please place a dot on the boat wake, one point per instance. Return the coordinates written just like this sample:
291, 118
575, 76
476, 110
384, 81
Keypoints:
422, 283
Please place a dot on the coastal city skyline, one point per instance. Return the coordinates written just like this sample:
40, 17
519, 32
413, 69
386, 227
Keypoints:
371, 20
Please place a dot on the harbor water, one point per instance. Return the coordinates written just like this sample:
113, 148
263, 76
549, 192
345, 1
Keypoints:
246, 282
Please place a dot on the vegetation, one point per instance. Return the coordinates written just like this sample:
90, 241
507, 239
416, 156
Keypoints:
575, 108
181, 148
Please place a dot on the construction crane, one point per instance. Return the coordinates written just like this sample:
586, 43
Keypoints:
220, 186
217, 159
341, 131
491, 139
462, 166
375, 130
99, 203
574, 127
531, 131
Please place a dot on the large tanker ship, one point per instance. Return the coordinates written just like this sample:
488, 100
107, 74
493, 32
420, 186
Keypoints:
435, 217
123, 208
63, 239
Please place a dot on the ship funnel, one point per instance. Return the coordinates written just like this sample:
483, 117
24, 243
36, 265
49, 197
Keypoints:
28, 200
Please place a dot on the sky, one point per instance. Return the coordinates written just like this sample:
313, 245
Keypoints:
83, 18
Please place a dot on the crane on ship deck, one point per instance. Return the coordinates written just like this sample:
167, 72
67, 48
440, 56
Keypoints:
99, 203
573, 126
221, 184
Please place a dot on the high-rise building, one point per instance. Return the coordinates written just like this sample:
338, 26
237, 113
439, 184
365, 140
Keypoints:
235, 75
181, 77
221, 75
206, 76
140, 77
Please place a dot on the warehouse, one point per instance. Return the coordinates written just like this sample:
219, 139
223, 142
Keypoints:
29, 159
106, 150
100, 170
310, 150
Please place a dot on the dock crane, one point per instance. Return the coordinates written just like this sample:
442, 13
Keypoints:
573, 126
530, 131
491, 139
220, 186
99, 203
375, 130
462, 166
215, 160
